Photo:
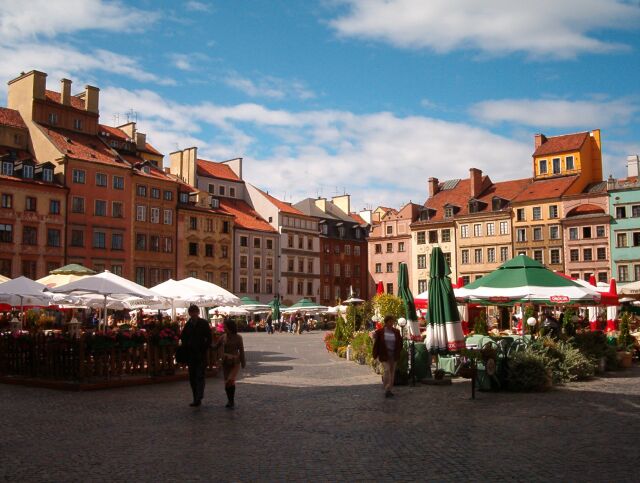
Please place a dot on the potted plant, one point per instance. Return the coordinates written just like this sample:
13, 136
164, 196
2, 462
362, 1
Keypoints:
469, 367
625, 343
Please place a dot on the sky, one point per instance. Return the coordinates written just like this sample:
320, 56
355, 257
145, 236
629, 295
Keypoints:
366, 97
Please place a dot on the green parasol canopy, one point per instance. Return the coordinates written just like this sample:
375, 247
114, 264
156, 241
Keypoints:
306, 305
275, 308
72, 269
405, 293
523, 279
444, 331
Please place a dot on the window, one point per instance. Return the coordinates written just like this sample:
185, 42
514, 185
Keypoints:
184, 198
168, 217
477, 255
30, 203
445, 235
269, 263
421, 238
623, 273
100, 208
193, 222
556, 165
47, 175
447, 258
636, 272
389, 230
309, 266
257, 242
477, 230
602, 277
209, 225
635, 211
621, 211
537, 233
491, 229
27, 171
378, 248
574, 255
268, 286
141, 190
464, 231
521, 235
448, 211
586, 232
464, 258
257, 285
140, 275
422, 261
491, 255
168, 195
77, 124
465, 280
542, 166
6, 233
554, 232
433, 236
7, 200
29, 235
244, 241
225, 227
54, 207
573, 233
221, 190
53, 118
101, 179
118, 182
193, 249
537, 213
299, 287
378, 267
77, 204
336, 269
117, 241
7, 168
600, 232
520, 214
555, 256
244, 262
300, 242
636, 239
422, 285
208, 250
390, 288
141, 241
155, 193
224, 251
257, 262
78, 176
168, 245
568, 163
504, 254
99, 239
400, 248
553, 211
389, 247
621, 240
504, 228
117, 210
155, 215
29, 269
77, 238
232, 194
141, 213
537, 256
587, 254
601, 253
389, 267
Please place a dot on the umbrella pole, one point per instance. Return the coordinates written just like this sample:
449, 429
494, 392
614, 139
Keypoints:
23, 315
104, 314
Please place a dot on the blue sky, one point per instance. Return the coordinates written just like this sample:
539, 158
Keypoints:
370, 97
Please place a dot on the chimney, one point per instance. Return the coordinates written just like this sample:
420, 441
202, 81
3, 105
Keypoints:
343, 203
539, 140
184, 164
65, 92
433, 186
235, 165
321, 203
611, 182
23, 89
141, 140
633, 163
167, 170
475, 181
91, 99
366, 215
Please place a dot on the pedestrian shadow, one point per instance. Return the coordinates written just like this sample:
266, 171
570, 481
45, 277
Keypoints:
266, 356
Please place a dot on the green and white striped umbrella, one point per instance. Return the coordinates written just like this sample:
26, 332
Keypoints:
444, 330
405, 294
275, 308
524, 280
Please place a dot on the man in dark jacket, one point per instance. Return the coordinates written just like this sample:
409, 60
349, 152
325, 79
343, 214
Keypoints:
196, 338
387, 345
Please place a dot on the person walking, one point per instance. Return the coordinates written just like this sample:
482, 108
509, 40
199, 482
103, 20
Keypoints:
196, 338
269, 323
387, 344
232, 359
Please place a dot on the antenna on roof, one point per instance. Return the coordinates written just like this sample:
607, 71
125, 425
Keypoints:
116, 119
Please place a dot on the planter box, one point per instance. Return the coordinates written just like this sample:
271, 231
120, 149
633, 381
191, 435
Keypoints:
625, 359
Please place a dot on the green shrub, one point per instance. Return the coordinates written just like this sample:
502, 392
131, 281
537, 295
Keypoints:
480, 323
351, 322
553, 358
568, 327
528, 372
361, 348
594, 346
625, 339
341, 332
575, 365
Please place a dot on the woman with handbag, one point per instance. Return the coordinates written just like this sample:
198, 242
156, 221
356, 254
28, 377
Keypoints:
387, 344
232, 359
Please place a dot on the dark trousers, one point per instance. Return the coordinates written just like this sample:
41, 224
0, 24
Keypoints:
196, 378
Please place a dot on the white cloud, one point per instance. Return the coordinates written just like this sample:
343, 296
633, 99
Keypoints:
28, 39
557, 113
269, 87
544, 28
380, 158
201, 7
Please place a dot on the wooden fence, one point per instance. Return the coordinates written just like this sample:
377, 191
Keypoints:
79, 359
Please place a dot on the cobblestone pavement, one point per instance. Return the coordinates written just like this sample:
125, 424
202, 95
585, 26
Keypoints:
303, 414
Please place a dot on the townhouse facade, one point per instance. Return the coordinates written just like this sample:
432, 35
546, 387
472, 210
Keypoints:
343, 248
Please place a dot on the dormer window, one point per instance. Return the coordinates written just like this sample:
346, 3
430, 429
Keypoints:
27, 171
569, 165
497, 203
473, 206
424, 215
53, 118
77, 124
7, 168
47, 175
542, 166
448, 211
184, 198
215, 203
556, 165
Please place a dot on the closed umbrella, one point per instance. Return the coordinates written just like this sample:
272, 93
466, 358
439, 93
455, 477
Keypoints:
275, 308
444, 331
379, 288
407, 299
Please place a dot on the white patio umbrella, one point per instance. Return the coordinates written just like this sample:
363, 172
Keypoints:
4, 279
23, 291
109, 286
183, 296
229, 310
219, 295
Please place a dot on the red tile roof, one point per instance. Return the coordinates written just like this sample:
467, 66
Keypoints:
561, 144
546, 188
212, 169
154, 172
82, 146
281, 205
53, 96
113, 132
586, 209
11, 118
21, 154
245, 216
148, 148
358, 219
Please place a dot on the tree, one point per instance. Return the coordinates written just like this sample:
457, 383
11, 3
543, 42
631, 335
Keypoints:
388, 304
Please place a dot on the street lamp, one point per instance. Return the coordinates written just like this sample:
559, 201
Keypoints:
402, 322
531, 322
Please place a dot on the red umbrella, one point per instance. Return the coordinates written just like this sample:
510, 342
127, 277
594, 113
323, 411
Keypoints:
379, 288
